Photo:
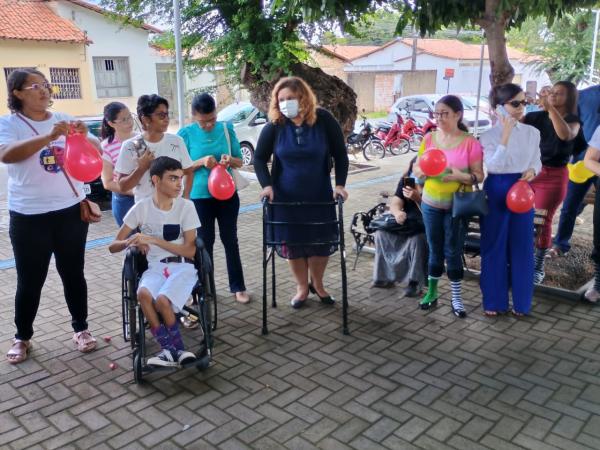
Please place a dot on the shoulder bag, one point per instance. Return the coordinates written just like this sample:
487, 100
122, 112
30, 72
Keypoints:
468, 204
240, 181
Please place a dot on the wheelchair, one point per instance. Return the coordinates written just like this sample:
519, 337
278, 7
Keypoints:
134, 323
269, 252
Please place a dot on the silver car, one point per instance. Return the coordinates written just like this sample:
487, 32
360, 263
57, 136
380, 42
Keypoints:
422, 106
247, 122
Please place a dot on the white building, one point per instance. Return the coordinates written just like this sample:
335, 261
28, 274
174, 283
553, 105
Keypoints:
384, 74
122, 65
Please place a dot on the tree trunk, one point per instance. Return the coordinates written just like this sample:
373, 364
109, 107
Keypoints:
332, 93
494, 23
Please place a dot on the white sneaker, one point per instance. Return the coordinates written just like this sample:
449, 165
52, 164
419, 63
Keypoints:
164, 359
592, 295
184, 356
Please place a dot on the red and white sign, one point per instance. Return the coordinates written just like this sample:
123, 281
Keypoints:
448, 73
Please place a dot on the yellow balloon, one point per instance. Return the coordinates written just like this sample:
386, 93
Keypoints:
578, 173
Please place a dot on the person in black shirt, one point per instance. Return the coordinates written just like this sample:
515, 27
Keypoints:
401, 255
559, 126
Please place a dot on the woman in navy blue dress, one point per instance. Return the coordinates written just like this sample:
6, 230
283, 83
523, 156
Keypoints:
305, 142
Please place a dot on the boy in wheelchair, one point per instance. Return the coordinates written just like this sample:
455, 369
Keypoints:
167, 226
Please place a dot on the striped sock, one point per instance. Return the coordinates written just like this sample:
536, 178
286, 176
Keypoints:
597, 277
456, 287
538, 265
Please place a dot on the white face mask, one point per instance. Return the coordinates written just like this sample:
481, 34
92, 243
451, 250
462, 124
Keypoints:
289, 108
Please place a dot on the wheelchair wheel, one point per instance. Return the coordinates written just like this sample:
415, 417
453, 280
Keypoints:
137, 366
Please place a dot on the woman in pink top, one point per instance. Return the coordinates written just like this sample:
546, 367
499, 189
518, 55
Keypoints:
445, 235
117, 127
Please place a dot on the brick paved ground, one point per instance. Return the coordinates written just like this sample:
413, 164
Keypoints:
402, 379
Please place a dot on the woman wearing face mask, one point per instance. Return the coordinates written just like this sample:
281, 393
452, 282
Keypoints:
44, 210
445, 236
117, 127
558, 125
511, 152
208, 146
302, 140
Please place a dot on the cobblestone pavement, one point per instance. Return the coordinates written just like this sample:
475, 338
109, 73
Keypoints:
404, 378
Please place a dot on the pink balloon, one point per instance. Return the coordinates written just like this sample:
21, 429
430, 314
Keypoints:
433, 162
220, 183
82, 160
520, 197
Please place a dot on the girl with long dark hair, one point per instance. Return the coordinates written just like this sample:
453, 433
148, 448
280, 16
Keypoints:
558, 125
117, 127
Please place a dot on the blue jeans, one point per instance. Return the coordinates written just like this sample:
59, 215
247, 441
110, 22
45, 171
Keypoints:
572, 206
225, 212
445, 238
120, 205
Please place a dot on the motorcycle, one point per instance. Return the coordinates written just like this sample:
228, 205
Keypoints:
396, 142
415, 131
365, 141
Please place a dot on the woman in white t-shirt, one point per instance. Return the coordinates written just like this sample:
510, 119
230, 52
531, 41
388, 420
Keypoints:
44, 209
137, 153
117, 127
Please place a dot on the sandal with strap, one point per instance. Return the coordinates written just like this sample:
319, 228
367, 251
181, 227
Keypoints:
85, 341
555, 252
18, 352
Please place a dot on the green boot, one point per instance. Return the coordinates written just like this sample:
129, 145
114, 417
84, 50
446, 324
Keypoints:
431, 297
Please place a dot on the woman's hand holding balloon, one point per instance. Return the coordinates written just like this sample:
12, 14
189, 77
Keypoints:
79, 127
59, 129
528, 175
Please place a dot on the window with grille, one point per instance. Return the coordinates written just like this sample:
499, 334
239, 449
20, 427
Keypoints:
112, 77
9, 70
67, 81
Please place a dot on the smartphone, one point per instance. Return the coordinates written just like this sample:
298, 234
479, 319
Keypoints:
409, 182
501, 110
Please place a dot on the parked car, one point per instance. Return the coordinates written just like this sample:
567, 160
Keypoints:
422, 106
247, 122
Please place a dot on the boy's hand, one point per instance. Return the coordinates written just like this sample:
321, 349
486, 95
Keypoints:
141, 240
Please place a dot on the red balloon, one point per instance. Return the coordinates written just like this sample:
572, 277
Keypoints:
433, 162
82, 160
520, 197
220, 183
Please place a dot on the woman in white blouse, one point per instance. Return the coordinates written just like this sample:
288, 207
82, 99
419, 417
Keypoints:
511, 152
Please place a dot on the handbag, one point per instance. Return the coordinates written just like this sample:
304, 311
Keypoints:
89, 211
387, 222
468, 204
240, 181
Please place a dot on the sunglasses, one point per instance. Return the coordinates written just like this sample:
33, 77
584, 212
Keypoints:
299, 131
38, 86
516, 103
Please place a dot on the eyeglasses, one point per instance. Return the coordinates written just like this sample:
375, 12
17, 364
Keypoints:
441, 114
299, 131
38, 86
161, 115
516, 103
127, 119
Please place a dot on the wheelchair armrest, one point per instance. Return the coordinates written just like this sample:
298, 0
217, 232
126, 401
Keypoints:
201, 258
199, 244
135, 263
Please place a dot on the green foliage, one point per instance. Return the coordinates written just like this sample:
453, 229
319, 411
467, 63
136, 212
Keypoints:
564, 49
432, 15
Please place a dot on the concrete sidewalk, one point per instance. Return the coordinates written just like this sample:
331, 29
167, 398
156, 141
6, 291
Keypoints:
404, 378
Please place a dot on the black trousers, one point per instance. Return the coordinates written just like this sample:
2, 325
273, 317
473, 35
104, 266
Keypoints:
35, 238
225, 212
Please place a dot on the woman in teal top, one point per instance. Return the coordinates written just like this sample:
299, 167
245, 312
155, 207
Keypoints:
208, 146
